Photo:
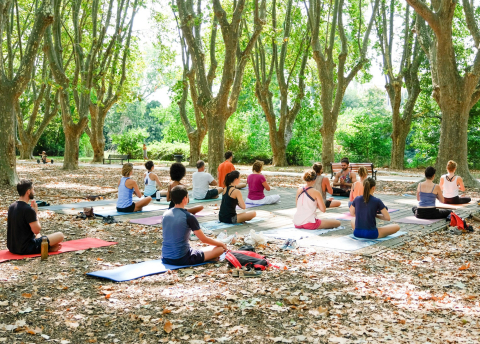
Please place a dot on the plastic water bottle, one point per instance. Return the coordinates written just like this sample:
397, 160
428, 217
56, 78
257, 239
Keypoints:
158, 196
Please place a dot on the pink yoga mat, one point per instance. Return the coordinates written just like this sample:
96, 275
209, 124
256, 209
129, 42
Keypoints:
414, 220
347, 216
67, 246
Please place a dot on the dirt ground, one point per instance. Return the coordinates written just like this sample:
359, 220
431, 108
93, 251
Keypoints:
426, 291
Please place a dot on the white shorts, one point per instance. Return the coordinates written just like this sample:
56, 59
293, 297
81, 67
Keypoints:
270, 199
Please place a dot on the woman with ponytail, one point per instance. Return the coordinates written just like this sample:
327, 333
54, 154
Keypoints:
230, 199
126, 188
308, 201
366, 209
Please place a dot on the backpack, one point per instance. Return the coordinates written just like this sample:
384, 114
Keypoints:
249, 259
457, 221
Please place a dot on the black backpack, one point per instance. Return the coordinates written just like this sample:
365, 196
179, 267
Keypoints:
249, 259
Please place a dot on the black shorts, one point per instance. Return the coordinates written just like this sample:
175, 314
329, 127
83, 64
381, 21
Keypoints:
191, 258
327, 204
35, 246
212, 193
232, 219
129, 209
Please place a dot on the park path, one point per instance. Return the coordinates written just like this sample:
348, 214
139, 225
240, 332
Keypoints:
381, 175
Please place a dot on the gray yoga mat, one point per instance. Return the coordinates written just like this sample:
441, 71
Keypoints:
352, 243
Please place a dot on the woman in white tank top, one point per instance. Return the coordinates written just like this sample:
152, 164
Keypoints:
450, 184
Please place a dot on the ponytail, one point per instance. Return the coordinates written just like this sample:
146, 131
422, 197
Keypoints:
367, 185
230, 177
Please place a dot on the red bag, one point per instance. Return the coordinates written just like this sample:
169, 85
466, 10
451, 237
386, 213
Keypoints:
456, 221
238, 259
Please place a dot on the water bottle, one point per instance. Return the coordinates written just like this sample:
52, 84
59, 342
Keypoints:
158, 196
44, 248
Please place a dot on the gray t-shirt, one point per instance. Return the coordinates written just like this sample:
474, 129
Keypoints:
201, 184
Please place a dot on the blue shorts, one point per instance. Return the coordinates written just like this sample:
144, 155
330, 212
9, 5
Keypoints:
366, 233
193, 257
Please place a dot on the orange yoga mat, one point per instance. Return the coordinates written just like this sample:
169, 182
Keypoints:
67, 246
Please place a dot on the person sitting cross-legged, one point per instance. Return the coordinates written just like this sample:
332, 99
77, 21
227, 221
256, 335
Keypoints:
23, 226
230, 199
177, 226
450, 184
256, 184
225, 168
177, 172
344, 179
322, 185
427, 193
308, 201
126, 188
201, 183
366, 209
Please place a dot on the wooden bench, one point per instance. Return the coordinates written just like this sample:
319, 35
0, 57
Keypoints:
117, 157
337, 166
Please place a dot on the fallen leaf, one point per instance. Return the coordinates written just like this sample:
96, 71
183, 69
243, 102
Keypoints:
464, 266
27, 295
168, 327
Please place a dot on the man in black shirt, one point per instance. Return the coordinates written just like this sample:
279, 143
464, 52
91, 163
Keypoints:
23, 227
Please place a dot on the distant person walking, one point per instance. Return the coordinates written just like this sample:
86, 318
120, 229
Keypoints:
145, 157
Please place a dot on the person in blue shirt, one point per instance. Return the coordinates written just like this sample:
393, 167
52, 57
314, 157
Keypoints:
178, 223
365, 210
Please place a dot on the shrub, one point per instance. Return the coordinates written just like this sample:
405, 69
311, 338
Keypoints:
131, 142
166, 150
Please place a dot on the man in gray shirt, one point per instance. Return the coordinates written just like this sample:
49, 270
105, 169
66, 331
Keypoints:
201, 183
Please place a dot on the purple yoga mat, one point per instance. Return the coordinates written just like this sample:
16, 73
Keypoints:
414, 220
155, 220
249, 205
347, 216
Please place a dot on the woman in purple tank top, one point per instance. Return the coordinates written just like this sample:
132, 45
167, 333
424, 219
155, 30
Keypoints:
256, 184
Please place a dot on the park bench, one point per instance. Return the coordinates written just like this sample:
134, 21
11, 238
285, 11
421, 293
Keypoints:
116, 157
337, 166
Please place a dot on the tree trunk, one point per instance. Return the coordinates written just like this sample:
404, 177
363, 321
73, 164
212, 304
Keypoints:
216, 141
279, 147
453, 140
399, 138
72, 148
26, 150
8, 173
195, 139
97, 139
328, 151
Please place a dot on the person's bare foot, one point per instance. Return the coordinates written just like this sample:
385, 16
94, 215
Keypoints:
54, 248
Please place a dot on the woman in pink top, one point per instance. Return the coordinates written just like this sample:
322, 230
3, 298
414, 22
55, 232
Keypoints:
256, 184
308, 201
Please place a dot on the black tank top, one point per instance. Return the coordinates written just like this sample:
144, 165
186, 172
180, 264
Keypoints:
227, 208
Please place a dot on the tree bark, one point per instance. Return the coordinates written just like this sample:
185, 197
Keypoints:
8, 173
26, 151
72, 147
328, 146
399, 138
216, 141
97, 139
12, 85
455, 94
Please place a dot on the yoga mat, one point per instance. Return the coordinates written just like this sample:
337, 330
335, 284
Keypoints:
134, 271
451, 206
352, 243
416, 221
290, 232
155, 220
114, 212
67, 246
82, 204
249, 205
214, 225
348, 217
193, 200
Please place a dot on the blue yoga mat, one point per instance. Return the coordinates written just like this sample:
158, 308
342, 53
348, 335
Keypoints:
194, 200
214, 225
134, 271
352, 243
114, 212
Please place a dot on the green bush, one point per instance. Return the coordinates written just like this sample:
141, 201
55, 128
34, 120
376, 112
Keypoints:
166, 150
131, 142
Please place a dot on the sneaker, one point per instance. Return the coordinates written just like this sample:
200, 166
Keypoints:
109, 220
455, 231
245, 273
289, 244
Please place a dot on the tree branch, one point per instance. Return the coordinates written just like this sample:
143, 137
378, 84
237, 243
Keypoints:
426, 13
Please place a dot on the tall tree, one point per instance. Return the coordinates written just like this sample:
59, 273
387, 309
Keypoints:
110, 79
218, 108
405, 76
455, 89
332, 62
13, 83
94, 49
36, 111
288, 65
